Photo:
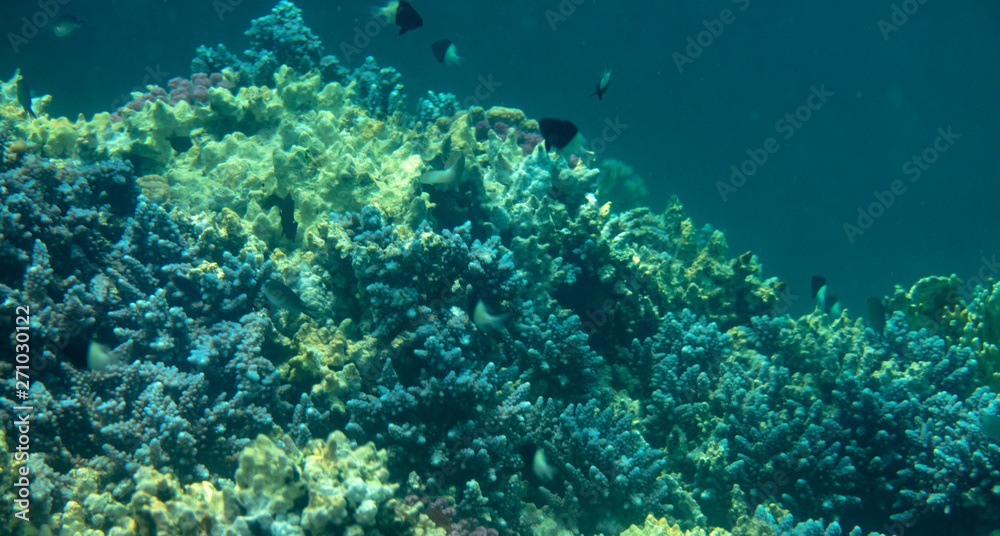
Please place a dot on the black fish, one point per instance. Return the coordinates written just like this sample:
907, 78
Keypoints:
876, 315
286, 206
407, 18
181, 144
24, 96
558, 133
818, 282
281, 295
563, 136
444, 51
602, 85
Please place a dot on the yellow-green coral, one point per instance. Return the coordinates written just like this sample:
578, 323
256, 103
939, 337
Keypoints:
663, 527
327, 361
982, 332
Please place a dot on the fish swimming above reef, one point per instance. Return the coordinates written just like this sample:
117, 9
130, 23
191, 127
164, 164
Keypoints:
444, 51
602, 85
286, 205
66, 25
283, 297
403, 15
449, 175
483, 320
876, 315
24, 96
563, 136
826, 302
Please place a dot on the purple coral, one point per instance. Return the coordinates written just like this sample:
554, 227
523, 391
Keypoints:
525, 140
194, 91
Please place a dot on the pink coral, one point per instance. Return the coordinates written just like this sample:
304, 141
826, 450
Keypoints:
193, 91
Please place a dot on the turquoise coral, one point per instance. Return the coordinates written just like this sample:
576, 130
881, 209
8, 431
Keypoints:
646, 367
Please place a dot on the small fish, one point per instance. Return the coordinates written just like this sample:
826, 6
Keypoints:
990, 425
444, 51
876, 315
24, 96
450, 175
545, 471
100, 356
827, 303
282, 296
286, 206
484, 320
66, 25
602, 85
407, 18
563, 136
188, 287
181, 144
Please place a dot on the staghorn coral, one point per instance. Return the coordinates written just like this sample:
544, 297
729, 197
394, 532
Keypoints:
645, 365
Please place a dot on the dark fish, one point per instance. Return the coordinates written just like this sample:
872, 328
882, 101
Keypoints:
602, 85
188, 287
286, 206
827, 303
281, 295
818, 282
66, 25
407, 18
185, 285
24, 96
444, 51
563, 136
876, 315
181, 144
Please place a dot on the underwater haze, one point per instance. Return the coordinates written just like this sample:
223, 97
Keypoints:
529, 267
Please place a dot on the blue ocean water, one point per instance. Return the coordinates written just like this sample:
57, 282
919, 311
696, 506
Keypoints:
855, 141
893, 86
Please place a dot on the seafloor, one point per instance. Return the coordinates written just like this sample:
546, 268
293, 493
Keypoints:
628, 377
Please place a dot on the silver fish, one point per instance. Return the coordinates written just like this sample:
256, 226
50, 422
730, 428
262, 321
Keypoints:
450, 175
281, 295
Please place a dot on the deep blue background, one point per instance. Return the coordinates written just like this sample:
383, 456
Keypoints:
684, 129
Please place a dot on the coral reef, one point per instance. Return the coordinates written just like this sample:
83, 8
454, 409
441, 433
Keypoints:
436, 106
185, 383
278, 39
620, 185
524, 350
